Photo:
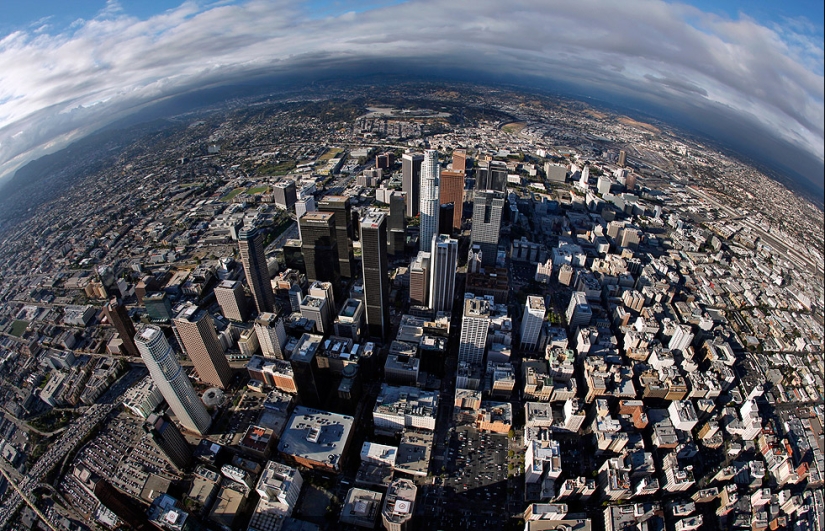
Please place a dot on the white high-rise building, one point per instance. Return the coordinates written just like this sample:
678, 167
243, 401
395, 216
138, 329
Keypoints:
584, 181
430, 173
443, 264
474, 329
578, 311
682, 338
531, 322
271, 335
171, 379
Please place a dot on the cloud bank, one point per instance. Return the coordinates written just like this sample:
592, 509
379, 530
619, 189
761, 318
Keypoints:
55, 88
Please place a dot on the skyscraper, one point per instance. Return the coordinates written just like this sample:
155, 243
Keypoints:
451, 190
251, 247
171, 379
285, 194
196, 332
442, 273
420, 280
491, 175
578, 311
474, 328
531, 322
445, 218
376, 280
168, 440
397, 225
341, 207
119, 317
460, 160
622, 158
429, 199
231, 299
271, 335
411, 180
487, 208
320, 247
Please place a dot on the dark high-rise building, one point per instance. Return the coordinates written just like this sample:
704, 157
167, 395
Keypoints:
487, 209
376, 279
452, 191
445, 218
197, 335
294, 256
119, 317
622, 158
340, 206
251, 247
320, 247
397, 225
169, 440
285, 194
491, 175
460, 160
411, 180
123, 506
305, 370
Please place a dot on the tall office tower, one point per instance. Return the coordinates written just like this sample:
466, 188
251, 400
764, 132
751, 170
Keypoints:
622, 158
578, 311
168, 439
584, 182
429, 199
320, 247
171, 379
460, 160
323, 290
285, 194
474, 259
682, 338
442, 273
376, 280
317, 309
302, 206
491, 175
487, 207
251, 247
630, 181
451, 190
420, 279
445, 218
340, 206
305, 370
531, 323
474, 328
397, 225
196, 332
119, 317
411, 180
232, 300
294, 255
271, 335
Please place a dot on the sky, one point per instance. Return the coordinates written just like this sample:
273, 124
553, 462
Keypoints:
751, 70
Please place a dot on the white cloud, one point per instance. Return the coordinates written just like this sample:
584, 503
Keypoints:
59, 87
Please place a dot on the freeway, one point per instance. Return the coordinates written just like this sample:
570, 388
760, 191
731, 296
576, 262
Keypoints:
57, 452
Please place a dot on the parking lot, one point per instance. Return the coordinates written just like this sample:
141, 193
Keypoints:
473, 490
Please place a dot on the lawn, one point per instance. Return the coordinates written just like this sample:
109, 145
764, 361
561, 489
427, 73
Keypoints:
18, 328
233, 193
330, 154
282, 168
258, 189
513, 127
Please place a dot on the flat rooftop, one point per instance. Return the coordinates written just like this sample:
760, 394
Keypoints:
316, 435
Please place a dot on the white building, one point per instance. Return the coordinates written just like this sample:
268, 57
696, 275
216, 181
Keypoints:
531, 323
399, 407
430, 173
474, 328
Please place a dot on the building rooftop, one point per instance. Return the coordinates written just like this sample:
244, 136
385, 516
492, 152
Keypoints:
316, 435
